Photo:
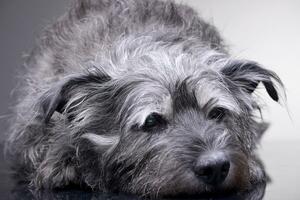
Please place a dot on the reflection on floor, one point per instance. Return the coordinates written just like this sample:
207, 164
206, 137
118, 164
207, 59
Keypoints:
21, 192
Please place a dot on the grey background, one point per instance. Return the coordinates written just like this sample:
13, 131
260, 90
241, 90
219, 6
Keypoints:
266, 31
20, 23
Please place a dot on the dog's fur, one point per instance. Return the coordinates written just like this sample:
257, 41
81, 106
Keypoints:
96, 75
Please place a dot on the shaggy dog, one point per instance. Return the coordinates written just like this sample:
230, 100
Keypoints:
138, 96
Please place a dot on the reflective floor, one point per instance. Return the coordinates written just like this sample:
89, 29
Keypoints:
21, 193
281, 159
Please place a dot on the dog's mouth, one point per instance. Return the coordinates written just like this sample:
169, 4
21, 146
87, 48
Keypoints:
204, 193
255, 191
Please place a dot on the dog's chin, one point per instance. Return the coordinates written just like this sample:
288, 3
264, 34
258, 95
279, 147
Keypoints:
203, 194
202, 190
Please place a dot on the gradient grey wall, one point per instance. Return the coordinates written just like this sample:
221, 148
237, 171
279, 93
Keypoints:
20, 23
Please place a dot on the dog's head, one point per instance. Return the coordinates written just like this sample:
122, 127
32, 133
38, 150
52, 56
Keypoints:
168, 124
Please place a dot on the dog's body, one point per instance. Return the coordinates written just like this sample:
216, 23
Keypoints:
139, 97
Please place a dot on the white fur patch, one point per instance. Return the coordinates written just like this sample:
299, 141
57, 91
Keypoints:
102, 141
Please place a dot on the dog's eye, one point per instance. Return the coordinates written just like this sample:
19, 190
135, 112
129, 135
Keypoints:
154, 120
217, 113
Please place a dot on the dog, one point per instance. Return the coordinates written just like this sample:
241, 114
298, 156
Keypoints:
140, 97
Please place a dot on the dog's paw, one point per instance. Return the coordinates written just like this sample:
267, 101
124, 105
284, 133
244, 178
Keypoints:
57, 171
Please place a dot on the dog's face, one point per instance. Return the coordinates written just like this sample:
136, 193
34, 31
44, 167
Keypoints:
166, 131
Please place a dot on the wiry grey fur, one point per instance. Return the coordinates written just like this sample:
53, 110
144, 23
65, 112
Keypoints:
101, 69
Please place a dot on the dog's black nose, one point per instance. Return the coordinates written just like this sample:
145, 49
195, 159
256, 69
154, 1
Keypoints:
212, 169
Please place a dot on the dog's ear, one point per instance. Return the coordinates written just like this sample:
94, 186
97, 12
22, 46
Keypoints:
58, 96
82, 7
261, 128
248, 74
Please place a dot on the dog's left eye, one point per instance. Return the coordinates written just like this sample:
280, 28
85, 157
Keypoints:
154, 120
217, 113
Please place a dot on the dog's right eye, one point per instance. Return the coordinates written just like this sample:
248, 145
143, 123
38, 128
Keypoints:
217, 113
153, 122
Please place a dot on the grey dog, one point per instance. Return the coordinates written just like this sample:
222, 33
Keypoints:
138, 96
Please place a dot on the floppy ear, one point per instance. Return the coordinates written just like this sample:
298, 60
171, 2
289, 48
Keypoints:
82, 7
248, 74
57, 97
261, 128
